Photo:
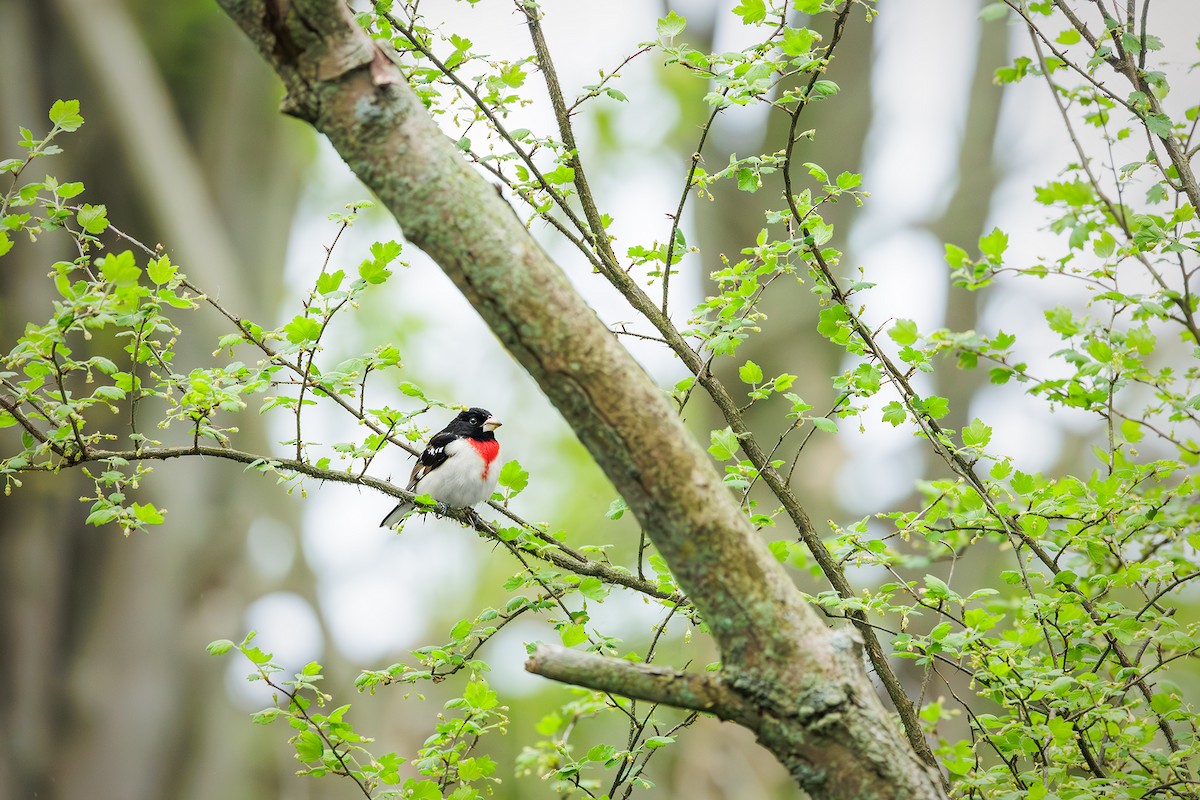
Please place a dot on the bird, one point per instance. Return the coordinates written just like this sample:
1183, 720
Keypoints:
458, 468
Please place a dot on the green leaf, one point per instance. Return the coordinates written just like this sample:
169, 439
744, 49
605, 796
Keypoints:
386, 252
724, 444
387, 356
256, 655
110, 394
328, 282
1065, 577
1159, 125
147, 513
389, 766
796, 41
783, 382
309, 747
904, 332
266, 716
302, 329
671, 26
1062, 321
100, 516
993, 246
751, 11
956, 256
479, 696
593, 588
92, 219
373, 271
936, 587
120, 268
512, 76
461, 630
572, 634
472, 769
425, 501
1022, 482
560, 175
894, 413
825, 424
1164, 703
617, 508
817, 171
1131, 431
747, 180
421, 790
549, 724
936, 407
751, 373
833, 322
65, 114
655, 742
1099, 350
1105, 245
848, 180
161, 270
219, 647
824, 89
867, 379
976, 434
513, 477
1142, 339
601, 752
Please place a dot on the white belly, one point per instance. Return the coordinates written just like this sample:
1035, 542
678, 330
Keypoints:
464, 479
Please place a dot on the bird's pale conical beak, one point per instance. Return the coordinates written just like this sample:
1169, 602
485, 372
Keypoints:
491, 423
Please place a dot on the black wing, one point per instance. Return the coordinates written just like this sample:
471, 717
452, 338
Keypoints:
433, 457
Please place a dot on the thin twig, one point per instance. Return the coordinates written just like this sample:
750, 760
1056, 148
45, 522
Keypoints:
677, 219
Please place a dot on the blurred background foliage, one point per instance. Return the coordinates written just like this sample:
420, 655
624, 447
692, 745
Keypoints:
110, 693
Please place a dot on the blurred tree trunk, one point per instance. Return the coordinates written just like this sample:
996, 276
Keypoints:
963, 221
790, 343
109, 699
970, 207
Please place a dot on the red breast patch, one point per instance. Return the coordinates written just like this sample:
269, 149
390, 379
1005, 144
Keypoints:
488, 452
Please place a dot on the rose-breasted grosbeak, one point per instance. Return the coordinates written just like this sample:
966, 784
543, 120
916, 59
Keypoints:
459, 465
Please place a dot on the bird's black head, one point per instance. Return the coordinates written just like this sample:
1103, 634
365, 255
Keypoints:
478, 423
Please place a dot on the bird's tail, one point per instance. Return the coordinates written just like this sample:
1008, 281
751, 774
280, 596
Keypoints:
397, 514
